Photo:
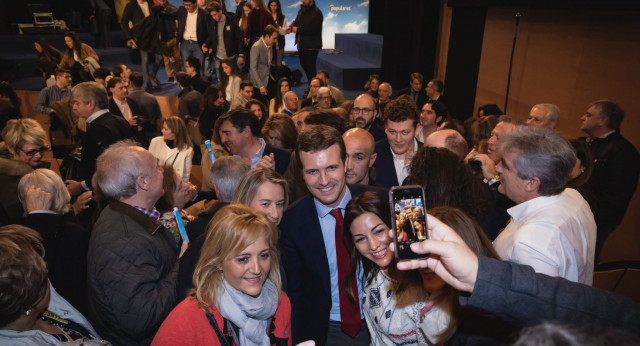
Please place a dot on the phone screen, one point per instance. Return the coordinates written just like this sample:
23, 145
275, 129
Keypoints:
409, 220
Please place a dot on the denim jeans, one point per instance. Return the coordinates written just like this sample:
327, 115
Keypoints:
189, 48
144, 61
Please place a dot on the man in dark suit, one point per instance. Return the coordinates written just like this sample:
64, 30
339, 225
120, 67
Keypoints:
188, 99
615, 169
313, 260
415, 90
434, 90
103, 129
240, 131
364, 113
149, 110
191, 37
396, 151
192, 68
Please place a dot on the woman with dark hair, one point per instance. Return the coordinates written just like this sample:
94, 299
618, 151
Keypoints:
281, 24
213, 105
282, 87
448, 181
581, 174
371, 86
479, 132
174, 147
48, 58
258, 109
367, 220
80, 59
230, 78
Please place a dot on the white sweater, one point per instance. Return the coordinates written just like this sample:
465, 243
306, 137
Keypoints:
179, 159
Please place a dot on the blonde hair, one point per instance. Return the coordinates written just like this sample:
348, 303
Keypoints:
49, 182
251, 182
178, 127
233, 229
17, 132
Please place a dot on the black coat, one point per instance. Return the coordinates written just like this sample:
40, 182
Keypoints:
309, 24
233, 40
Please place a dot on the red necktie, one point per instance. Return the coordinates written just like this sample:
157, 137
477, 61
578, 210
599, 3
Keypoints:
349, 311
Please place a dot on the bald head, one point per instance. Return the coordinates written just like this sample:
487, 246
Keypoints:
360, 147
448, 139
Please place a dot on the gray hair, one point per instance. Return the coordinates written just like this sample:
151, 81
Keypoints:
322, 91
553, 111
543, 153
92, 91
226, 174
49, 181
118, 168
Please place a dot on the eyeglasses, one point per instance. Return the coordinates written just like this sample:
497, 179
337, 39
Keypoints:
32, 153
324, 97
362, 110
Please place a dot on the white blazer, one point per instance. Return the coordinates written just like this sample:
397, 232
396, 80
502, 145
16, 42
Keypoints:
179, 159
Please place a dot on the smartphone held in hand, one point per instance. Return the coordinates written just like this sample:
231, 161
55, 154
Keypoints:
408, 219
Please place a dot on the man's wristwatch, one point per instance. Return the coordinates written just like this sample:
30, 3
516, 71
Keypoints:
495, 180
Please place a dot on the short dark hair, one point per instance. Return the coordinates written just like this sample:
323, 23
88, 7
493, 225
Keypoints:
612, 111
113, 81
416, 75
194, 61
245, 83
399, 110
319, 137
438, 85
183, 79
242, 118
136, 79
439, 108
269, 30
326, 117
191, 1
60, 71
101, 73
118, 69
324, 72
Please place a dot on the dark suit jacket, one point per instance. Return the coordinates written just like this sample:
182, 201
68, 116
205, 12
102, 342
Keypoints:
281, 157
385, 169
189, 103
202, 23
101, 133
377, 132
115, 110
198, 83
149, 114
422, 96
132, 13
232, 37
305, 262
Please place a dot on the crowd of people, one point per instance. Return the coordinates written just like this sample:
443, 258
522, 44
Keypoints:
289, 237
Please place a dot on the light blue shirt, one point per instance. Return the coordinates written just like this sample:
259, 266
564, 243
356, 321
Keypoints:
255, 158
328, 226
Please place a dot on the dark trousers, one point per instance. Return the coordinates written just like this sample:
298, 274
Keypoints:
336, 336
308, 58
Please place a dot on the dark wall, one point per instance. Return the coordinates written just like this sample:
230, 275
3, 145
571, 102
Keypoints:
463, 60
410, 29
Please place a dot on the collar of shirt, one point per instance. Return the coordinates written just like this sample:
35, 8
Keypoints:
415, 149
153, 214
95, 115
324, 210
255, 158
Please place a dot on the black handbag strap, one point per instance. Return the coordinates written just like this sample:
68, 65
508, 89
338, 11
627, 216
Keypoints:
214, 324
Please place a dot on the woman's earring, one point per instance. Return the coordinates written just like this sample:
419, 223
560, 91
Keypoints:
28, 312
